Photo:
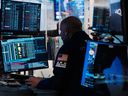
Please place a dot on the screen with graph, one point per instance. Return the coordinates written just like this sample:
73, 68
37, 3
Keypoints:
24, 53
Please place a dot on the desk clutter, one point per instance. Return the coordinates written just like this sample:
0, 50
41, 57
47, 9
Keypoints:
15, 86
24, 90
15, 91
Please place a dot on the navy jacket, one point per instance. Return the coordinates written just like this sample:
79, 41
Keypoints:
68, 67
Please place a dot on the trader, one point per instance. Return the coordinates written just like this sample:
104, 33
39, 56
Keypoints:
69, 61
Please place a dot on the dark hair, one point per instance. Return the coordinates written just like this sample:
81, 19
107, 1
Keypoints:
71, 22
69, 26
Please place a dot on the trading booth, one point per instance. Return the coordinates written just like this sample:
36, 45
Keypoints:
105, 67
25, 47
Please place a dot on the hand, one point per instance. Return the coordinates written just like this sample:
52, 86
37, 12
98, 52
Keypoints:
33, 81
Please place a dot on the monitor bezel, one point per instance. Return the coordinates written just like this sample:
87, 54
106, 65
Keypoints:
59, 4
121, 33
22, 32
109, 45
125, 20
26, 69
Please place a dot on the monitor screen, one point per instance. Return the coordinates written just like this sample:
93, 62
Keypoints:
116, 17
20, 16
64, 8
105, 68
101, 19
108, 19
24, 53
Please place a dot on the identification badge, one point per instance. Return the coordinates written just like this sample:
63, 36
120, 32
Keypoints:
62, 61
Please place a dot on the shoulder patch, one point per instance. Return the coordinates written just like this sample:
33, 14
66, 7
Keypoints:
62, 60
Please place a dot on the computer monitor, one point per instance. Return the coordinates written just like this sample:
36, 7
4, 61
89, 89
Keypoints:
64, 8
116, 21
20, 54
108, 18
101, 19
105, 68
100, 57
20, 16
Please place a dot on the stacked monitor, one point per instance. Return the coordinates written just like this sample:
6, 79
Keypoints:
105, 68
20, 17
116, 17
101, 19
108, 19
23, 53
64, 8
22, 46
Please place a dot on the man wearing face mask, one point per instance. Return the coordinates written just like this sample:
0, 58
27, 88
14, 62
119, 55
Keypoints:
69, 60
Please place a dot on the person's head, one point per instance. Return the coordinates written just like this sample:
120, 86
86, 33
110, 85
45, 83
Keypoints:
69, 26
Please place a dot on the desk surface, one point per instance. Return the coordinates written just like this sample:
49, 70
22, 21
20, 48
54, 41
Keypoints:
24, 91
15, 91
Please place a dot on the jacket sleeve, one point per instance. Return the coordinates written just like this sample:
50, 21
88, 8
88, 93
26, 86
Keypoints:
52, 83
